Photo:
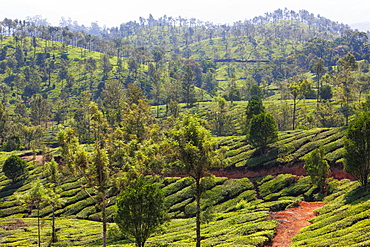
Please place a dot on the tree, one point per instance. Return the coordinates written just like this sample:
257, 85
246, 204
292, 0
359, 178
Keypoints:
15, 168
195, 151
327, 116
188, 84
91, 67
106, 65
3, 122
112, 100
346, 65
262, 131
40, 111
254, 107
326, 93
34, 199
93, 168
357, 148
256, 92
140, 210
317, 168
233, 92
54, 177
319, 70
282, 114
220, 118
31, 135
298, 90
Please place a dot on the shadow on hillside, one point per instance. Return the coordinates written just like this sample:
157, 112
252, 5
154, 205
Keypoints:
358, 195
259, 159
9, 189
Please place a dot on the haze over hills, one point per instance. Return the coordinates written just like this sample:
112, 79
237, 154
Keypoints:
112, 13
362, 26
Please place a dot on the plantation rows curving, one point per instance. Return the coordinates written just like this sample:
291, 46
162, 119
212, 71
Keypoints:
235, 211
292, 146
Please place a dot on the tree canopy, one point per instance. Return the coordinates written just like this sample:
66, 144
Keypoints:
15, 168
141, 209
317, 168
357, 146
262, 131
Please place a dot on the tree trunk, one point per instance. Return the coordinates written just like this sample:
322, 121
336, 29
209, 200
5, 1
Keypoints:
104, 216
197, 191
294, 111
318, 90
38, 227
53, 233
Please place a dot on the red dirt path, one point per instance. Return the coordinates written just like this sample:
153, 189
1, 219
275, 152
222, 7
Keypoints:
291, 221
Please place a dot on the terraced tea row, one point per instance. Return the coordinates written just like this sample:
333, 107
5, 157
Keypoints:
233, 214
343, 221
292, 146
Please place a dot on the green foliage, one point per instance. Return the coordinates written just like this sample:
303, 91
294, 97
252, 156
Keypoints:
60, 80
357, 145
15, 168
262, 131
140, 210
274, 185
196, 152
342, 221
254, 107
328, 116
326, 93
317, 168
221, 118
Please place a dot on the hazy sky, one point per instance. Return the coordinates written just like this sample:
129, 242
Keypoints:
115, 12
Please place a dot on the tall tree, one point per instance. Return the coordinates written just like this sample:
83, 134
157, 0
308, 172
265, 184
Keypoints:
113, 101
357, 146
91, 67
346, 65
254, 107
195, 150
92, 168
34, 198
220, 118
262, 131
54, 177
298, 91
3, 123
106, 65
40, 111
319, 70
188, 84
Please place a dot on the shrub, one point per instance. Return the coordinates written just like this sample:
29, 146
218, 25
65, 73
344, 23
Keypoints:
15, 168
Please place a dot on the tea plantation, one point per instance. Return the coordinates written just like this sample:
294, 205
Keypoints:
235, 212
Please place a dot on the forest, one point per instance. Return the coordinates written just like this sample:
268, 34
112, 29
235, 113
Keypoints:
179, 132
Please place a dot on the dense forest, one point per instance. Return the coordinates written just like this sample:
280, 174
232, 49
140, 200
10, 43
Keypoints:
225, 120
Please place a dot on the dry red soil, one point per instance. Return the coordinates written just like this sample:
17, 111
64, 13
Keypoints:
336, 171
39, 158
291, 221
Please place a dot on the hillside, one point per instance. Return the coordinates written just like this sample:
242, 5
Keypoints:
114, 97
236, 212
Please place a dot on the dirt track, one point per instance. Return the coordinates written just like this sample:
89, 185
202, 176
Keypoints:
336, 171
291, 221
